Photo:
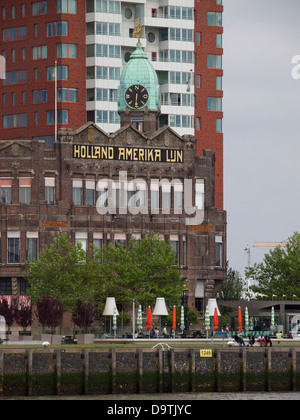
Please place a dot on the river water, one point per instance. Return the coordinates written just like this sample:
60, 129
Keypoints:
187, 397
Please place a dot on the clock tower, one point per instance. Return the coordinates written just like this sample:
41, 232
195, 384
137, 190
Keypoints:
138, 93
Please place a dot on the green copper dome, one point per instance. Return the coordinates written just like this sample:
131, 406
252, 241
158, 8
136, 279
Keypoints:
139, 72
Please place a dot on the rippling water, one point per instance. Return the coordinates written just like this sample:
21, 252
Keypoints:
246, 396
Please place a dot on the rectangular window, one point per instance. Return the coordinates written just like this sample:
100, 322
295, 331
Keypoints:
199, 194
214, 104
120, 239
40, 52
14, 34
66, 50
62, 117
62, 73
178, 197
13, 247
102, 117
219, 125
219, 251
57, 28
40, 96
77, 190
90, 192
50, 190
82, 239
214, 61
67, 6
25, 190
5, 190
32, 243
175, 77
39, 8
214, 18
174, 242
98, 240
15, 77
67, 95
219, 40
102, 188
5, 286
219, 82
114, 117
15, 120
154, 196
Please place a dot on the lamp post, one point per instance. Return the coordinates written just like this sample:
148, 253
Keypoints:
133, 318
109, 308
160, 309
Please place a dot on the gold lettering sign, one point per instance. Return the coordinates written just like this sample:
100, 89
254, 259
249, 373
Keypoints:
201, 228
54, 223
131, 154
206, 353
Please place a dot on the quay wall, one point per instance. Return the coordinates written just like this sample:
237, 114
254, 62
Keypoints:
94, 371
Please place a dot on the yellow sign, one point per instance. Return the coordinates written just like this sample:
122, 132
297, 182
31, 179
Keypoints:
131, 154
206, 353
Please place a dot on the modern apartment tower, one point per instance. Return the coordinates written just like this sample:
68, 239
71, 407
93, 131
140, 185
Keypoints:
91, 41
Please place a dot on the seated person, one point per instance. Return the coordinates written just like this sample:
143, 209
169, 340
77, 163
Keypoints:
251, 340
261, 340
239, 339
268, 340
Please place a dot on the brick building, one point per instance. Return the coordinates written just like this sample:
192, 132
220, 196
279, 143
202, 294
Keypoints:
91, 41
208, 84
35, 35
85, 184
48, 191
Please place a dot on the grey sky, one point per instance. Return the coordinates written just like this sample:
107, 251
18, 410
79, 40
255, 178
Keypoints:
261, 124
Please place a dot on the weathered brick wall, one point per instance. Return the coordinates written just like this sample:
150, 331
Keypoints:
99, 371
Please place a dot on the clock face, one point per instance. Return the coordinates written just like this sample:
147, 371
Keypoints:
136, 96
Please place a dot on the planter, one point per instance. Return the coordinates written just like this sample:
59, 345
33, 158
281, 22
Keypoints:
85, 338
45, 337
56, 339
25, 338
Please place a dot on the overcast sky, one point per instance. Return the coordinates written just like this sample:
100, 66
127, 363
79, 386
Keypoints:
261, 124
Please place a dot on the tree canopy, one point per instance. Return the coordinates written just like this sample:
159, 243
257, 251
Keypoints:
145, 271
232, 287
279, 273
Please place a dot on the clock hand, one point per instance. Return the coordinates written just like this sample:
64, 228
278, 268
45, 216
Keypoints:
136, 98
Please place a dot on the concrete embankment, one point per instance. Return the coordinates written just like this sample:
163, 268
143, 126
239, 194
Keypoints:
91, 371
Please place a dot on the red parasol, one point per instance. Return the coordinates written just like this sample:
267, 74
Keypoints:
174, 319
240, 322
216, 320
149, 319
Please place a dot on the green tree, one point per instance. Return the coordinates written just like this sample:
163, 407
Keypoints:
144, 271
232, 287
279, 273
61, 273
